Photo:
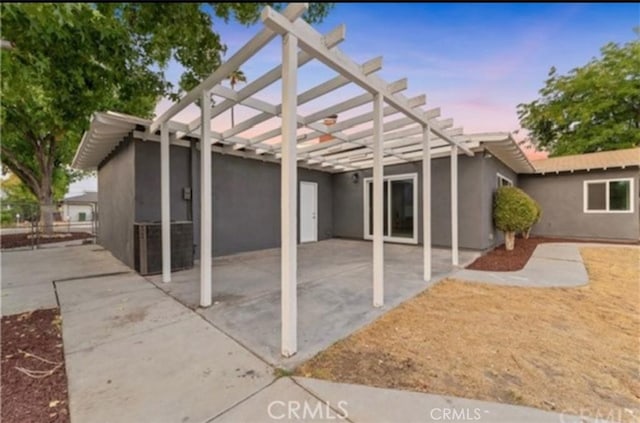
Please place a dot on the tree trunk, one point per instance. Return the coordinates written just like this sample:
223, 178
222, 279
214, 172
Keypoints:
527, 233
232, 120
509, 240
47, 208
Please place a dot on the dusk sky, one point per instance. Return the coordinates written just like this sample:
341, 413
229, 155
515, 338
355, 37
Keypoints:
474, 61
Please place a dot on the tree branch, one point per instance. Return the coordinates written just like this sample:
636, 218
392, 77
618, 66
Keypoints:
21, 171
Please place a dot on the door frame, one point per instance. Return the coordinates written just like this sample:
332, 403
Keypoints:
315, 211
365, 208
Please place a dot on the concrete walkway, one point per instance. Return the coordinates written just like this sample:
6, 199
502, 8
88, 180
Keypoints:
550, 265
27, 276
135, 354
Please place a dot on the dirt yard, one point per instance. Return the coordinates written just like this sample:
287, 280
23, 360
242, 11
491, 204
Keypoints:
566, 350
34, 380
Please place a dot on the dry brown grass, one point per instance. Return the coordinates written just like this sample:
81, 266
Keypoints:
572, 350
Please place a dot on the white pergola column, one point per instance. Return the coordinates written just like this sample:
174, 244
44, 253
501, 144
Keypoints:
426, 201
205, 201
288, 196
165, 202
378, 200
454, 205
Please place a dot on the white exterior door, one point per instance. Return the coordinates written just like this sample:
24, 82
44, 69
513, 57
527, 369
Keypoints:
308, 211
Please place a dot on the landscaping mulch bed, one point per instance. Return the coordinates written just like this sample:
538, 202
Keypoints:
25, 240
501, 260
34, 379
567, 350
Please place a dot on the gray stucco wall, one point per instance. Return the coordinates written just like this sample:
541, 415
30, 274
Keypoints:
246, 203
116, 199
476, 183
561, 199
147, 181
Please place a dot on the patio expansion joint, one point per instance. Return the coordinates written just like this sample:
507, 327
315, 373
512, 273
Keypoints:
233, 338
313, 394
92, 276
242, 401
197, 312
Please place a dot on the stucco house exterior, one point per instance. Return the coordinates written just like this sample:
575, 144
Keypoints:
573, 191
592, 196
195, 185
80, 208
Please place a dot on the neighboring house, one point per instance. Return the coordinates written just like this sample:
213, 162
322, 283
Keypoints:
80, 208
588, 196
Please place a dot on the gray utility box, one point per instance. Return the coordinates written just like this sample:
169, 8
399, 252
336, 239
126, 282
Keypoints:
147, 246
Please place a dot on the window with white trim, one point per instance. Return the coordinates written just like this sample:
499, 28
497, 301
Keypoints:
503, 181
608, 196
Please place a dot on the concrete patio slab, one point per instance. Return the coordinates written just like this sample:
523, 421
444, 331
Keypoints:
186, 371
334, 292
368, 404
550, 265
283, 401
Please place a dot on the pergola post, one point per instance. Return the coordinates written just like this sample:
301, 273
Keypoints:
165, 202
378, 200
205, 201
454, 205
426, 201
288, 196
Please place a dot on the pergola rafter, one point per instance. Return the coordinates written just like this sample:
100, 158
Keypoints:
358, 142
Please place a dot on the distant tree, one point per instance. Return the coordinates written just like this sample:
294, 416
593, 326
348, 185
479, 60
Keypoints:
595, 107
235, 77
60, 62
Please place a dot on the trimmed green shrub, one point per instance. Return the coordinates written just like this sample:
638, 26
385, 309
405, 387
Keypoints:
514, 211
527, 232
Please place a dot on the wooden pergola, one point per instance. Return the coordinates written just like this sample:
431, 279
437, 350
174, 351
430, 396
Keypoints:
415, 135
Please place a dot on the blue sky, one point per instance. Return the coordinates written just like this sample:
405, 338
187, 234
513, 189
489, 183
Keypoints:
476, 61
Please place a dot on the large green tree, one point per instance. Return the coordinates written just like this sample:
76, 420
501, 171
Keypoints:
66, 61
595, 107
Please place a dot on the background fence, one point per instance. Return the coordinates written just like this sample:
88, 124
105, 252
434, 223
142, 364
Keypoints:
21, 226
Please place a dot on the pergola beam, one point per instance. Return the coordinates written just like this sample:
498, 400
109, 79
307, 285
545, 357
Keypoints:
313, 119
330, 40
311, 41
360, 119
436, 152
305, 97
291, 13
390, 149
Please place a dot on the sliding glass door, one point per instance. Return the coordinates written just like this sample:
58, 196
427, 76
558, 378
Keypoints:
400, 219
